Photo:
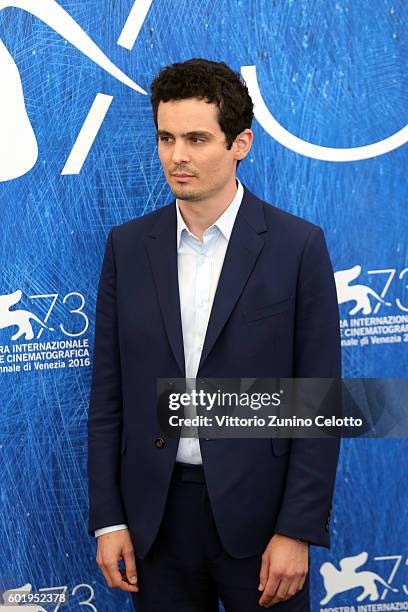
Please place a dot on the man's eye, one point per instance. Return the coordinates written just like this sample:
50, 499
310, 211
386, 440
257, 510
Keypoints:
164, 138
195, 139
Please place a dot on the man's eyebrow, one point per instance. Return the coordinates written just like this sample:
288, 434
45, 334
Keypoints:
194, 133
199, 134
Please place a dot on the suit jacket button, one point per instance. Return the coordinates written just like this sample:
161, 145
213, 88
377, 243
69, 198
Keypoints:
160, 442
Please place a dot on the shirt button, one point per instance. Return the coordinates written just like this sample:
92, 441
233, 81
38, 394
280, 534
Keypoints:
159, 442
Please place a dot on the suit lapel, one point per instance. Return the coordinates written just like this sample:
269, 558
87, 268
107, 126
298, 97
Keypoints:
243, 250
161, 244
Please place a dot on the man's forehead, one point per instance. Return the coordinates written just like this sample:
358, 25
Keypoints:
203, 102
189, 110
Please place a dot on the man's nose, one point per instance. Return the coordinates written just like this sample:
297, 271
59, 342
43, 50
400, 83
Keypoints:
180, 153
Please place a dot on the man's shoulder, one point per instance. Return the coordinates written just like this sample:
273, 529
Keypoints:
143, 224
285, 222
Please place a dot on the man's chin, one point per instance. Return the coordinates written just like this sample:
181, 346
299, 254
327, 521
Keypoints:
189, 195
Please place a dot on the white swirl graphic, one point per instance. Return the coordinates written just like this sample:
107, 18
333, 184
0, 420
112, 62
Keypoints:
308, 149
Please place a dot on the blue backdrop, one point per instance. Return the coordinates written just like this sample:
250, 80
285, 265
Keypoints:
78, 155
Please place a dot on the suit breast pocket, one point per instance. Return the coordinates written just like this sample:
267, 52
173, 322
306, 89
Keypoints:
268, 310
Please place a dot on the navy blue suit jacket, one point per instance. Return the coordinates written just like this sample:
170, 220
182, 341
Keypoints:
274, 314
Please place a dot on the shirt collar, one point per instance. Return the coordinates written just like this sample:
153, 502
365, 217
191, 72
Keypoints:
224, 223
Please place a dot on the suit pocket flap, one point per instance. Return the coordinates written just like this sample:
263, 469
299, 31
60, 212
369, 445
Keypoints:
268, 310
280, 446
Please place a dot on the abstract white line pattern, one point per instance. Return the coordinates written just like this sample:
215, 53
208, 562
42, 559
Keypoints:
308, 149
87, 134
18, 144
134, 23
51, 13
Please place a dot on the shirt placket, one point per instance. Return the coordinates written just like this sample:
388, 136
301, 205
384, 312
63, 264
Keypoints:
204, 261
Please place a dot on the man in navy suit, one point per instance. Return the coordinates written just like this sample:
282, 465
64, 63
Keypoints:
215, 284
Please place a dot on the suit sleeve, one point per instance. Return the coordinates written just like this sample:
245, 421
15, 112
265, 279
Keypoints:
306, 505
105, 407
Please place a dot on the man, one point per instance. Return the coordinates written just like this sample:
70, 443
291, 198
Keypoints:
216, 284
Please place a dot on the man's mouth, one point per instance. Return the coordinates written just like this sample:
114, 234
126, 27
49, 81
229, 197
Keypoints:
182, 176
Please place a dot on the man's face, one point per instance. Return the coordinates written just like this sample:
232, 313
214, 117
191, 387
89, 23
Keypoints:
193, 150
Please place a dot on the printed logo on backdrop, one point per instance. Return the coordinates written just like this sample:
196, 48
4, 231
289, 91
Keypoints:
309, 149
57, 340
369, 314
18, 143
367, 585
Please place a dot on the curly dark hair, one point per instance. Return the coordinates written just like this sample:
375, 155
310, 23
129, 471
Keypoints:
214, 82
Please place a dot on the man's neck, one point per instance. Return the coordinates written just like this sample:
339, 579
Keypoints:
201, 214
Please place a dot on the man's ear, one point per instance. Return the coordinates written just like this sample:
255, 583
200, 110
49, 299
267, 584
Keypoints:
243, 143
